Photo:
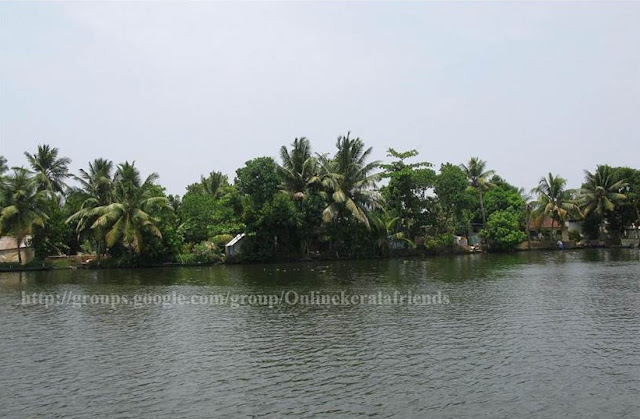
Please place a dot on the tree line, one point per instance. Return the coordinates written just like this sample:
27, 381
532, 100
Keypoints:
307, 204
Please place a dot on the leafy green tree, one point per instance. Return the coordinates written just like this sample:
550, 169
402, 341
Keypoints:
127, 217
406, 194
204, 216
554, 201
25, 207
3, 169
50, 170
504, 197
55, 237
349, 181
451, 210
479, 181
3, 165
601, 194
503, 230
275, 231
298, 168
258, 180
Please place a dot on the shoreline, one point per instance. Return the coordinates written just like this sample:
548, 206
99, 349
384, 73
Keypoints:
49, 265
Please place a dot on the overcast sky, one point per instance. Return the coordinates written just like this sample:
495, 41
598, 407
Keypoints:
187, 88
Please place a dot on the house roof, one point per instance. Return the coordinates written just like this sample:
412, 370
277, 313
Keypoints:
9, 243
544, 224
235, 240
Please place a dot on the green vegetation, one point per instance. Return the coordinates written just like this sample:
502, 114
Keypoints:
555, 201
307, 204
24, 208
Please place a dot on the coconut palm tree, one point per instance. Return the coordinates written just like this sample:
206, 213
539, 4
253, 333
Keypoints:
3, 170
386, 228
50, 170
97, 182
212, 184
479, 181
349, 181
25, 206
298, 168
96, 189
128, 216
601, 194
554, 201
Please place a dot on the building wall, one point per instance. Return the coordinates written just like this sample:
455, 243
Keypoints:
11, 255
574, 226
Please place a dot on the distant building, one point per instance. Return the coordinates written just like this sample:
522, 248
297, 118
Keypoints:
542, 228
574, 226
630, 236
233, 248
9, 250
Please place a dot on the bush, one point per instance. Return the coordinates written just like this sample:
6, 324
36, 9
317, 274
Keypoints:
441, 243
575, 236
203, 252
503, 231
207, 252
221, 239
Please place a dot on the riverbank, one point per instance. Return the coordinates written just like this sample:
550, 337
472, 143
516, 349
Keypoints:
91, 262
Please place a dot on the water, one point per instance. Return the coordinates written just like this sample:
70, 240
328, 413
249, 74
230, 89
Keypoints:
532, 335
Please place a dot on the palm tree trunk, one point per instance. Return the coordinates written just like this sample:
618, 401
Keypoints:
553, 220
19, 241
526, 226
484, 215
638, 226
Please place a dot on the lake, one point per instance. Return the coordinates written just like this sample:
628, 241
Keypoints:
528, 335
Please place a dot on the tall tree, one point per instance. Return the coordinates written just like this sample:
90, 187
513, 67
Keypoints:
298, 168
451, 211
406, 193
3, 170
96, 190
214, 183
601, 193
554, 201
349, 181
258, 180
50, 170
129, 215
479, 181
25, 207
97, 182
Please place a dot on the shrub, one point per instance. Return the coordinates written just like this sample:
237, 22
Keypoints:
503, 231
206, 252
441, 243
575, 236
221, 239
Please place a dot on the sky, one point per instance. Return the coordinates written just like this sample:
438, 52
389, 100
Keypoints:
187, 88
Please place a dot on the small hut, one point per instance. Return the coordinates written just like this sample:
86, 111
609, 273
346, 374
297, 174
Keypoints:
9, 250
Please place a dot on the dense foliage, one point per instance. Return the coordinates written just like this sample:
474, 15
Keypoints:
309, 204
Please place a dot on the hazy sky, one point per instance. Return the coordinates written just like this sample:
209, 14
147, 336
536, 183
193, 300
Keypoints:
186, 88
